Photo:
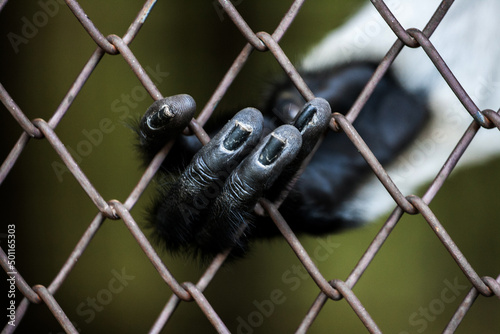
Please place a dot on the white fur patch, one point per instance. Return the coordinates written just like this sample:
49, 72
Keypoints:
467, 39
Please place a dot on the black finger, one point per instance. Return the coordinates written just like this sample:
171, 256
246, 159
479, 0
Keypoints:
186, 201
245, 186
236, 139
164, 120
312, 121
259, 170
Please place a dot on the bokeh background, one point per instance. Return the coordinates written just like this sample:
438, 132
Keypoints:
193, 44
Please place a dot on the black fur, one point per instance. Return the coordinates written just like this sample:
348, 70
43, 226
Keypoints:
390, 120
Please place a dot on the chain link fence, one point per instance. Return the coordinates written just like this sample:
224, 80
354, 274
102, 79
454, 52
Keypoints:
329, 289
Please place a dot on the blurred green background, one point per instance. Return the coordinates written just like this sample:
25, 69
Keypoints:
193, 44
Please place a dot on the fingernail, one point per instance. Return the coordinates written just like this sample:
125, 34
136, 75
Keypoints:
238, 135
305, 117
271, 151
160, 118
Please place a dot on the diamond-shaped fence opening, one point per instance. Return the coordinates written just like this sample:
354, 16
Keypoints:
73, 244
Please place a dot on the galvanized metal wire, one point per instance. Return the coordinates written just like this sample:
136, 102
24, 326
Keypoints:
334, 289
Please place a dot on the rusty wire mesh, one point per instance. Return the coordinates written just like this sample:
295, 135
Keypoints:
334, 289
